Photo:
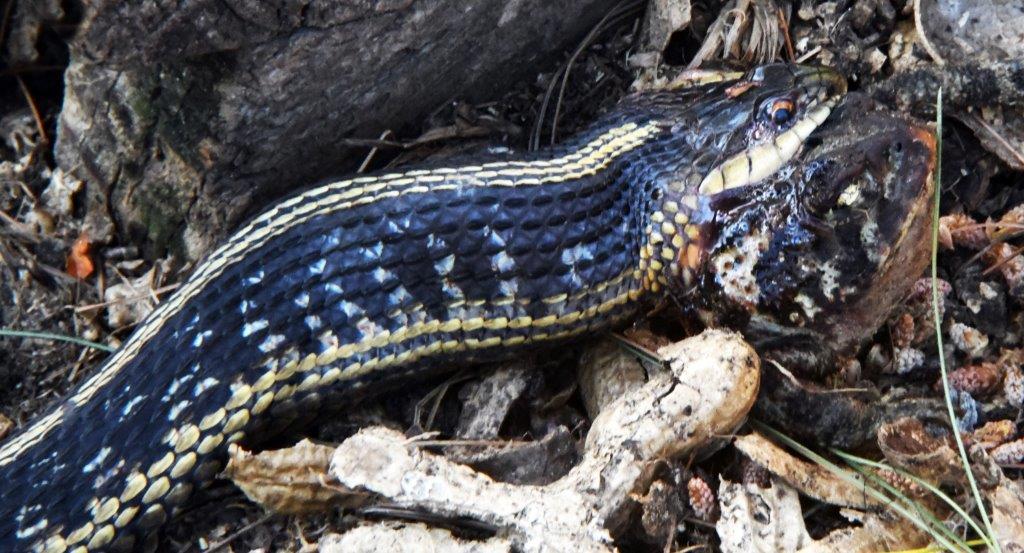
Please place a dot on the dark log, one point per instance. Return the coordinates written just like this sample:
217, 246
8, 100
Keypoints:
181, 116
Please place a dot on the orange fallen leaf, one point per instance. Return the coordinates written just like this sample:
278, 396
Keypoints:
79, 265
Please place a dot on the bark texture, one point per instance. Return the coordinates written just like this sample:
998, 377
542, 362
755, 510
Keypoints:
181, 116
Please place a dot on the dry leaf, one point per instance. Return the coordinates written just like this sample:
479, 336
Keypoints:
289, 480
79, 265
130, 301
1007, 501
907, 445
994, 433
744, 30
958, 229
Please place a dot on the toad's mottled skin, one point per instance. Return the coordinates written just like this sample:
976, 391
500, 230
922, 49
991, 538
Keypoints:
810, 263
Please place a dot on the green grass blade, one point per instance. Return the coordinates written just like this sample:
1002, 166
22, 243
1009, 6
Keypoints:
853, 459
933, 520
55, 337
857, 480
954, 423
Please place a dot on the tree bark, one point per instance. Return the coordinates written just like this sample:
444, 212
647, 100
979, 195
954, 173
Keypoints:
180, 116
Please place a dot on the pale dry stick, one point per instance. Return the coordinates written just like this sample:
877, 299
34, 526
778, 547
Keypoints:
998, 137
40, 125
810, 54
373, 152
784, 27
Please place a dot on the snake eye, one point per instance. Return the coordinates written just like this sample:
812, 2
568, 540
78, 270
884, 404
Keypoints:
780, 112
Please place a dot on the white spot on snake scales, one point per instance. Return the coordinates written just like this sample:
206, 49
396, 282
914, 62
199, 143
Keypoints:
328, 339
572, 256
350, 309
198, 340
382, 275
317, 266
96, 461
249, 328
271, 343
444, 265
191, 324
502, 263
574, 276
494, 238
26, 533
576, 253
172, 390
204, 385
452, 291
105, 476
302, 300
313, 322
130, 406
368, 327
49, 459
244, 306
398, 297
255, 278
509, 288
333, 288
176, 409
27, 509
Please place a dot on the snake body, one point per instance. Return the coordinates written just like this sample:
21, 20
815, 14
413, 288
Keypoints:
378, 277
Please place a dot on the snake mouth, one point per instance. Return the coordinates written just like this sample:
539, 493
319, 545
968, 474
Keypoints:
815, 93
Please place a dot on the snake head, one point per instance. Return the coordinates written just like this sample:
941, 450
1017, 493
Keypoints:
811, 260
771, 112
726, 132
742, 129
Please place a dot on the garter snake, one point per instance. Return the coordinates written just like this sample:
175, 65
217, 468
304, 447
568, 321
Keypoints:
376, 277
